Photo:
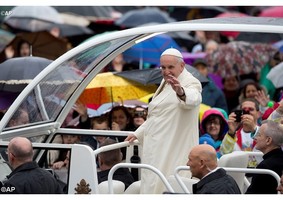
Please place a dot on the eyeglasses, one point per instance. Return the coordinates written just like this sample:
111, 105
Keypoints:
213, 122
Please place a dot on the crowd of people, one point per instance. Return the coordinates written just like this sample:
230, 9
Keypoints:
172, 118
224, 131
246, 114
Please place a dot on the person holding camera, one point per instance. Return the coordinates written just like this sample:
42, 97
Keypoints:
242, 127
139, 116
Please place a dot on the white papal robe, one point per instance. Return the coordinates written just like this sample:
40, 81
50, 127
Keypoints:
170, 131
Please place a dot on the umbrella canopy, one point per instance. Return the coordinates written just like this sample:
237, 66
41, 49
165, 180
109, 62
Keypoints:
39, 18
134, 18
106, 107
275, 11
39, 15
183, 39
231, 34
183, 13
275, 75
143, 76
279, 45
133, 103
259, 37
147, 98
239, 58
43, 44
107, 87
16, 73
189, 58
149, 51
154, 76
32, 18
90, 11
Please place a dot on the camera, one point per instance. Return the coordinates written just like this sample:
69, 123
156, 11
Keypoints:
239, 113
139, 114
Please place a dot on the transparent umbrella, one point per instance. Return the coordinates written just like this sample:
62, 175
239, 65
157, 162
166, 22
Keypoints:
275, 75
39, 18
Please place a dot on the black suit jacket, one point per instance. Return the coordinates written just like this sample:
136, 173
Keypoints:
266, 184
217, 182
121, 174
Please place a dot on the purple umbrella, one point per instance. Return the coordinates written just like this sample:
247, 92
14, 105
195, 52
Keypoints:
189, 58
6, 99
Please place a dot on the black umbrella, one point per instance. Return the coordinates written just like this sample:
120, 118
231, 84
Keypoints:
142, 16
259, 37
17, 73
154, 76
181, 13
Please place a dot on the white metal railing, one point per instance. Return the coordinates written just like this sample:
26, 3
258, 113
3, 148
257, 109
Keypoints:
135, 165
228, 169
179, 180
254, 171
108, 148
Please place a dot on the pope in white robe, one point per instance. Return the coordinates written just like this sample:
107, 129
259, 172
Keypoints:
171, 128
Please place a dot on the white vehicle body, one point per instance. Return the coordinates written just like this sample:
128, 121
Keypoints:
90, 58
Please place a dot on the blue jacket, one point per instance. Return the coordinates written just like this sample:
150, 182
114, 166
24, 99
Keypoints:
213, 96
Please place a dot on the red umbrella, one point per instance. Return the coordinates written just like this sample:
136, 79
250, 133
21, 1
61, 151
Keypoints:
276, 11
231, 34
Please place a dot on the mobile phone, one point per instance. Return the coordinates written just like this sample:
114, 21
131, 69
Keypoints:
238, 115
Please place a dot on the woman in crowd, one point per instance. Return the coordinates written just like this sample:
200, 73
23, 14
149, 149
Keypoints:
213, 127
120, 119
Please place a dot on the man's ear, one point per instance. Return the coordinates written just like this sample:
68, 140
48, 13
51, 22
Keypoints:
183, 64
202, 163
268, 140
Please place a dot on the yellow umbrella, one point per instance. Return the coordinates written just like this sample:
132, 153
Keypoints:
107, 87
146, 98
202, 109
